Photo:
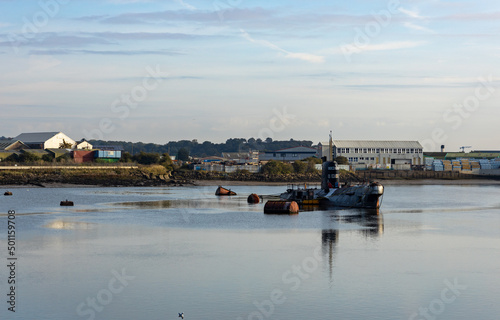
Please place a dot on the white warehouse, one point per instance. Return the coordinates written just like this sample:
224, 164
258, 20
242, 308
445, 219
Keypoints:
377, 154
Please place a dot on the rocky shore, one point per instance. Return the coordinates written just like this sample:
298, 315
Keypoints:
158, 176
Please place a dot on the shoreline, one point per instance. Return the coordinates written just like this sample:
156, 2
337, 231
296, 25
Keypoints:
215, 183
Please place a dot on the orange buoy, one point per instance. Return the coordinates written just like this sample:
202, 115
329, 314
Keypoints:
281, 207
253, 198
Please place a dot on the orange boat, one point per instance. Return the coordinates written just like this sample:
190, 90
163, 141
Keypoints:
221, 191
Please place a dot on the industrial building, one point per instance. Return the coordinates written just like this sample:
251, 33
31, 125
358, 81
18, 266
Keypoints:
363, 154
289, 154
45, 140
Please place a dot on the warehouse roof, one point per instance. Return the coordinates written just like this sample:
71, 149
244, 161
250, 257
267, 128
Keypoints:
35, 137
375, 144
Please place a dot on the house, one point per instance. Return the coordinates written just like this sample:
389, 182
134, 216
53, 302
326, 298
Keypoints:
45, 140
289, 154
83, 144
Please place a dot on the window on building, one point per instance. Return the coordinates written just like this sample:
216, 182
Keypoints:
365, 150
412, 150
372, 159
339, 150
356, 150
356, 159
295, 155
377, 150
361, 158
347, 150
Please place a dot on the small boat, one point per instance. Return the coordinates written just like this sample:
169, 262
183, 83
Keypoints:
67, 203
221, 191
7, 193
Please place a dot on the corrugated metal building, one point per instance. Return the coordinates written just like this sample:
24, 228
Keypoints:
376, 154
44, 140
289, 154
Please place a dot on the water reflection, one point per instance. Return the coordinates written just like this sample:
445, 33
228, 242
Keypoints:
372, 222
181, 203
69, 225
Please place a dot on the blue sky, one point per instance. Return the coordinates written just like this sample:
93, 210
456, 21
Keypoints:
156, 71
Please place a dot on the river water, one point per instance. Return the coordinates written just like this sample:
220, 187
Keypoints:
431, 252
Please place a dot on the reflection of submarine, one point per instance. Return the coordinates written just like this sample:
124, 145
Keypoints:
366, 195
371, 220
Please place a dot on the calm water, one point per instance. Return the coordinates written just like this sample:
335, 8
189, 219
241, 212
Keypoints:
432, 252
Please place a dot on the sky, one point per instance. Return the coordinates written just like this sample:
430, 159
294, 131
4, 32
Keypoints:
159, 71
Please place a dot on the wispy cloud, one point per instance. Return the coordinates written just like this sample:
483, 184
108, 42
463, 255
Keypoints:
106, 52
185, 4
411, 13
395, 45
292, 55
413, 26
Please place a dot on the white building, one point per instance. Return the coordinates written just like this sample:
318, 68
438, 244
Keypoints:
45, 140
377, 154
83, 144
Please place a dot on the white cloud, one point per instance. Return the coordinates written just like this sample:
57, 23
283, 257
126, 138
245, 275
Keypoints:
185, 5
396, 45
413, 26
411, 13
292, 55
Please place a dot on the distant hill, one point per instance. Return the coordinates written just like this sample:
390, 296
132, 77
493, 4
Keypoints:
207, 148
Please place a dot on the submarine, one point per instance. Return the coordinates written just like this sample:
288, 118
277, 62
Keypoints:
334, 194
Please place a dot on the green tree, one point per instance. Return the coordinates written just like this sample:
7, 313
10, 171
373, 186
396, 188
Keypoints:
126, 157
277, 167
342, 160
147, 158
299, 166
12, 158
183, 154
47, 157
167, 162
28, 157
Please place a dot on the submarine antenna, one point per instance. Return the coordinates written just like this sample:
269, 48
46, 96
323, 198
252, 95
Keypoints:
331, 147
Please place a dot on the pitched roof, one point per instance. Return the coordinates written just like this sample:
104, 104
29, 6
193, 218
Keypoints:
35, 137
5, 144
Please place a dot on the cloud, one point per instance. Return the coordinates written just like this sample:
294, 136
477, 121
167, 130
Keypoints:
413, 14
292, 55
42, 63
396, 45
413, 26
188, 15
185, 5
105, 52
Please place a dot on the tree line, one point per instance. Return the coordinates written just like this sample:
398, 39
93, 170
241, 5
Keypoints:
206, 148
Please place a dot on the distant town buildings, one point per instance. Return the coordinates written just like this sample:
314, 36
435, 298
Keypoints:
55, 145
